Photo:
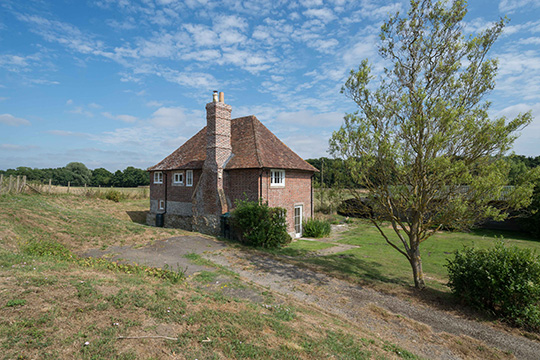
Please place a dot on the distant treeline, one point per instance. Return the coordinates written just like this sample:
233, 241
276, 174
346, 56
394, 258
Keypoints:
333, 172
77, 174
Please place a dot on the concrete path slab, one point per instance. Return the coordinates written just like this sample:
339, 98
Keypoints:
159, 253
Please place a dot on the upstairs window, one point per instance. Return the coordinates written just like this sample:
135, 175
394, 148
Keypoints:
158, 177
189, 178
277, 178
178, 178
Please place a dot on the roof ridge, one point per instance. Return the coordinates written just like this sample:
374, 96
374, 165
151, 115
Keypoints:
255, 138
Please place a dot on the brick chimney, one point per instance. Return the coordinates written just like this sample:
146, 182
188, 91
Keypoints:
209, 200
218, 134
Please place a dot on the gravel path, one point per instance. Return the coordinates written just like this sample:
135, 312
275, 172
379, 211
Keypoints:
425, 331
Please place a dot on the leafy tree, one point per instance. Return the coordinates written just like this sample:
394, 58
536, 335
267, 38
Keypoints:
101, 176
134, 177
77, 173
118, 179
424, 132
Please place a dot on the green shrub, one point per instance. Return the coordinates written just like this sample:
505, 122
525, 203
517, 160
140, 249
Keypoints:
503, 281
257, 224
47, 248
114, 195
316, 228
532, 222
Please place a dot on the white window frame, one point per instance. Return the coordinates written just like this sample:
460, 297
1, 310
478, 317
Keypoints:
189, 177
277, 178
178, 178
158, 177
161, 204
300, 220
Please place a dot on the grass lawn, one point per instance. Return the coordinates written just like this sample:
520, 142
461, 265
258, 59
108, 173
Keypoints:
59, 307
376, 261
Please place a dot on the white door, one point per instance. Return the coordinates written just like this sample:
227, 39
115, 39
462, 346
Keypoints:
298, 213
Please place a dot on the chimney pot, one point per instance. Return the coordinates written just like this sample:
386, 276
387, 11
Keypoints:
215, 96
221, 97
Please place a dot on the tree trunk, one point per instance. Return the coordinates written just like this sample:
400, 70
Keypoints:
416, 264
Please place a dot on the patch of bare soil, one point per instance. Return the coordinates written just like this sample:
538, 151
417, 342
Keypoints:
424, 330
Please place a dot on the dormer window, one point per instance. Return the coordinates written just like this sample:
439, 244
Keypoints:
277, 178
158, 177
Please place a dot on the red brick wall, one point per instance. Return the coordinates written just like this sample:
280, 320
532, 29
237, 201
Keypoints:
174, 192
240, 182
297, 191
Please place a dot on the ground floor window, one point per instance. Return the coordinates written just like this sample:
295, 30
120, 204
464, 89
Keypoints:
161, 204
298, 213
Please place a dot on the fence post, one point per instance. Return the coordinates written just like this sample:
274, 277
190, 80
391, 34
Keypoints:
10, 183
18, 183
50, 182
1, 182
23, 183
69, 185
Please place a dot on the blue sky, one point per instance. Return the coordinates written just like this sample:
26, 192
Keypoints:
117, 83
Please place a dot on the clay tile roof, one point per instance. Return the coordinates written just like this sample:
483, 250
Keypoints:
191, 155
253, 146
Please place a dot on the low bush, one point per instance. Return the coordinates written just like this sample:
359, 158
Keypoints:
257, 224
358, 208
503, 281
113, 195
316, 228
531, 222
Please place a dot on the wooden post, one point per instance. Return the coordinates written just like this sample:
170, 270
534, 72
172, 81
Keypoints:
10, 183
1, 182
18, 184
69, 185
50, 183
23, 183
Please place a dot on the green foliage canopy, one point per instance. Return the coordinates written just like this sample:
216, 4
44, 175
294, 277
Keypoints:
422, 141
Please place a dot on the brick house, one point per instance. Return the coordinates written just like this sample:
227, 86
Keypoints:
229, 159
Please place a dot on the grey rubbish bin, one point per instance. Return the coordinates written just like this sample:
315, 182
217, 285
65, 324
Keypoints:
160, 220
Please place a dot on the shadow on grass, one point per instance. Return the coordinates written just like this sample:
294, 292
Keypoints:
505, 234
351, 266
137, 216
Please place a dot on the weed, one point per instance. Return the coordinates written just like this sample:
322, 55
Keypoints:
400, 352
16, 302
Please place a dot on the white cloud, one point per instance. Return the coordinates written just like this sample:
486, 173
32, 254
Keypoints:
10, 120
124, 118
325, 15
519, 75
63, 33
176, 117
307, 146
527, 144
362, 49
79, 110
310, 118
16, 147
509, 6
202, 35
67, 133
154, 103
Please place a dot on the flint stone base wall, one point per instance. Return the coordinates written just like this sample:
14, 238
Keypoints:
173, 207
207, 224
171, 221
